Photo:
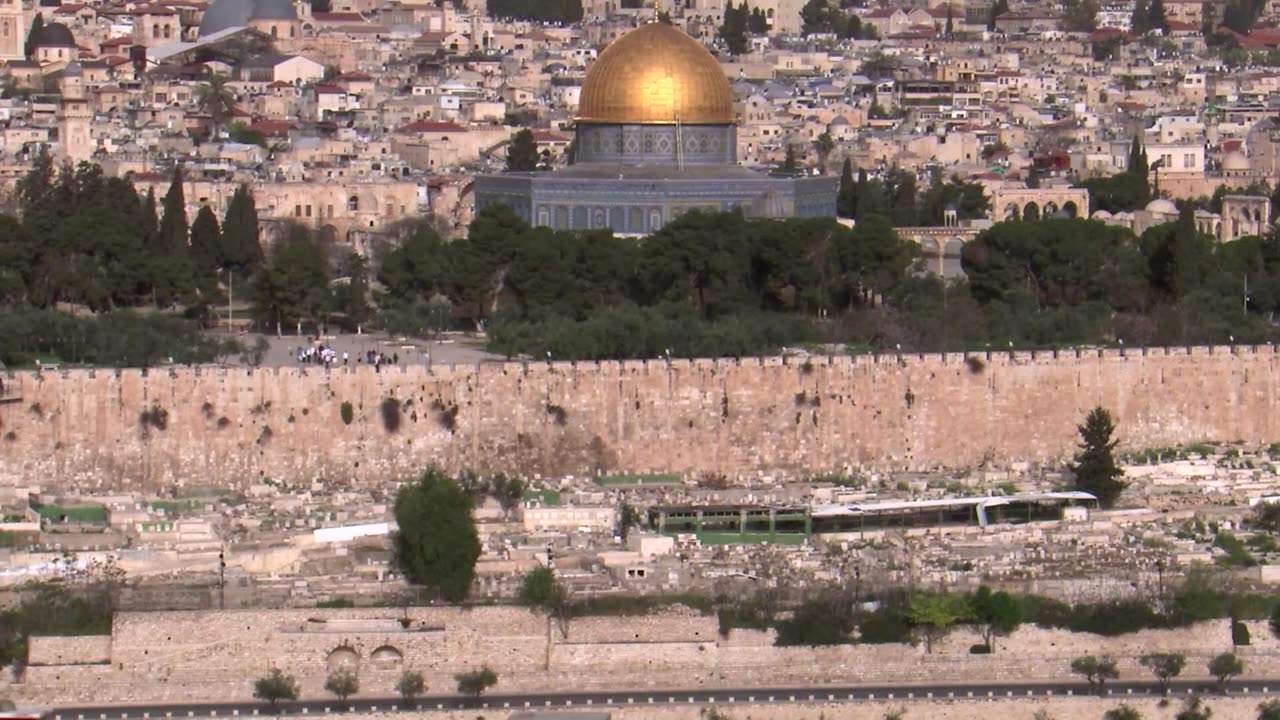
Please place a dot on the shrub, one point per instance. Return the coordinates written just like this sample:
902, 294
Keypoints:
335, 603
980, 649
1239, 634
390, 414
348, 413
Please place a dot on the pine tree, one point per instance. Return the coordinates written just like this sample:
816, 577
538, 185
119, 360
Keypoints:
1095, 468
847, 200
522, 153
950, 28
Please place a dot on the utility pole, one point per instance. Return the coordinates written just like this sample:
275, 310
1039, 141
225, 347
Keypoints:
222, 580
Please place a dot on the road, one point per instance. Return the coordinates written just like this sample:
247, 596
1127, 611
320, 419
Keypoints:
630, 698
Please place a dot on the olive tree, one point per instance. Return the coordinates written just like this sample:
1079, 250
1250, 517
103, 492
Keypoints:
274, 687
411, 685
1224, 667
1165, 666
1096, 670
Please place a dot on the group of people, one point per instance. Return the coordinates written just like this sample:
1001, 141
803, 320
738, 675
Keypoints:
321, 354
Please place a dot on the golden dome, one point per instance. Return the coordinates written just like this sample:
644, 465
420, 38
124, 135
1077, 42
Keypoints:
656, 75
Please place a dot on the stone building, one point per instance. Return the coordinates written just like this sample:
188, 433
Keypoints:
655, 138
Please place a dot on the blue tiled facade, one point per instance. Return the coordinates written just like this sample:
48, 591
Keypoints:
631, 180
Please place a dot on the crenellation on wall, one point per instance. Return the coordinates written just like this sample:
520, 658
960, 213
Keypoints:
739, 417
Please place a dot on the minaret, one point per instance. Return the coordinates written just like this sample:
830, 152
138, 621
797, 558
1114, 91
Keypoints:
74, 118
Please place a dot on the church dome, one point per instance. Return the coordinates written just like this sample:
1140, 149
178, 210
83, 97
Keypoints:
655, 75
223, 14
54, 35
1235, 160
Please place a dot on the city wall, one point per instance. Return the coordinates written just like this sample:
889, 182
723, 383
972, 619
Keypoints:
134, 429
163, 656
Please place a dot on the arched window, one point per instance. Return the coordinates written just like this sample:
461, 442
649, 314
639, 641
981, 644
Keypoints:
353, 204
275, 33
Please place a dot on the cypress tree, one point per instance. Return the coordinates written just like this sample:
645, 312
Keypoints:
1156, 19
206, 243
36, 26
173, 273
1095, 468
1138, 157
847, 200
241, 248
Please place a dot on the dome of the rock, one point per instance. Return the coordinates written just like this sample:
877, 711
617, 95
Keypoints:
655, 75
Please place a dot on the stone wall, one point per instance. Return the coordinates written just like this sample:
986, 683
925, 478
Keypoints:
773, 415
82, 650
163, 656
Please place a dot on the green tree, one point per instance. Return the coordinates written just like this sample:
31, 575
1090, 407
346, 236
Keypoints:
1138, 158
1156, 19
1080, 16
474, 683
343, 683
172, 272
437, 542
735, 27
1165, 666
274, 687
998, 8
508, 491
936, 614
215, 98
1275, 621
823, 145
541, 590
1095, 670
352, 297
996, 613
1124, 712
522, 153
206, 241
1224, 667
294, 287
1269, 710
1095, 467
241, 246
1139, 21
410, 686
789, 161
1191, 254
241, 132
847, 199
816, 17
37, 26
